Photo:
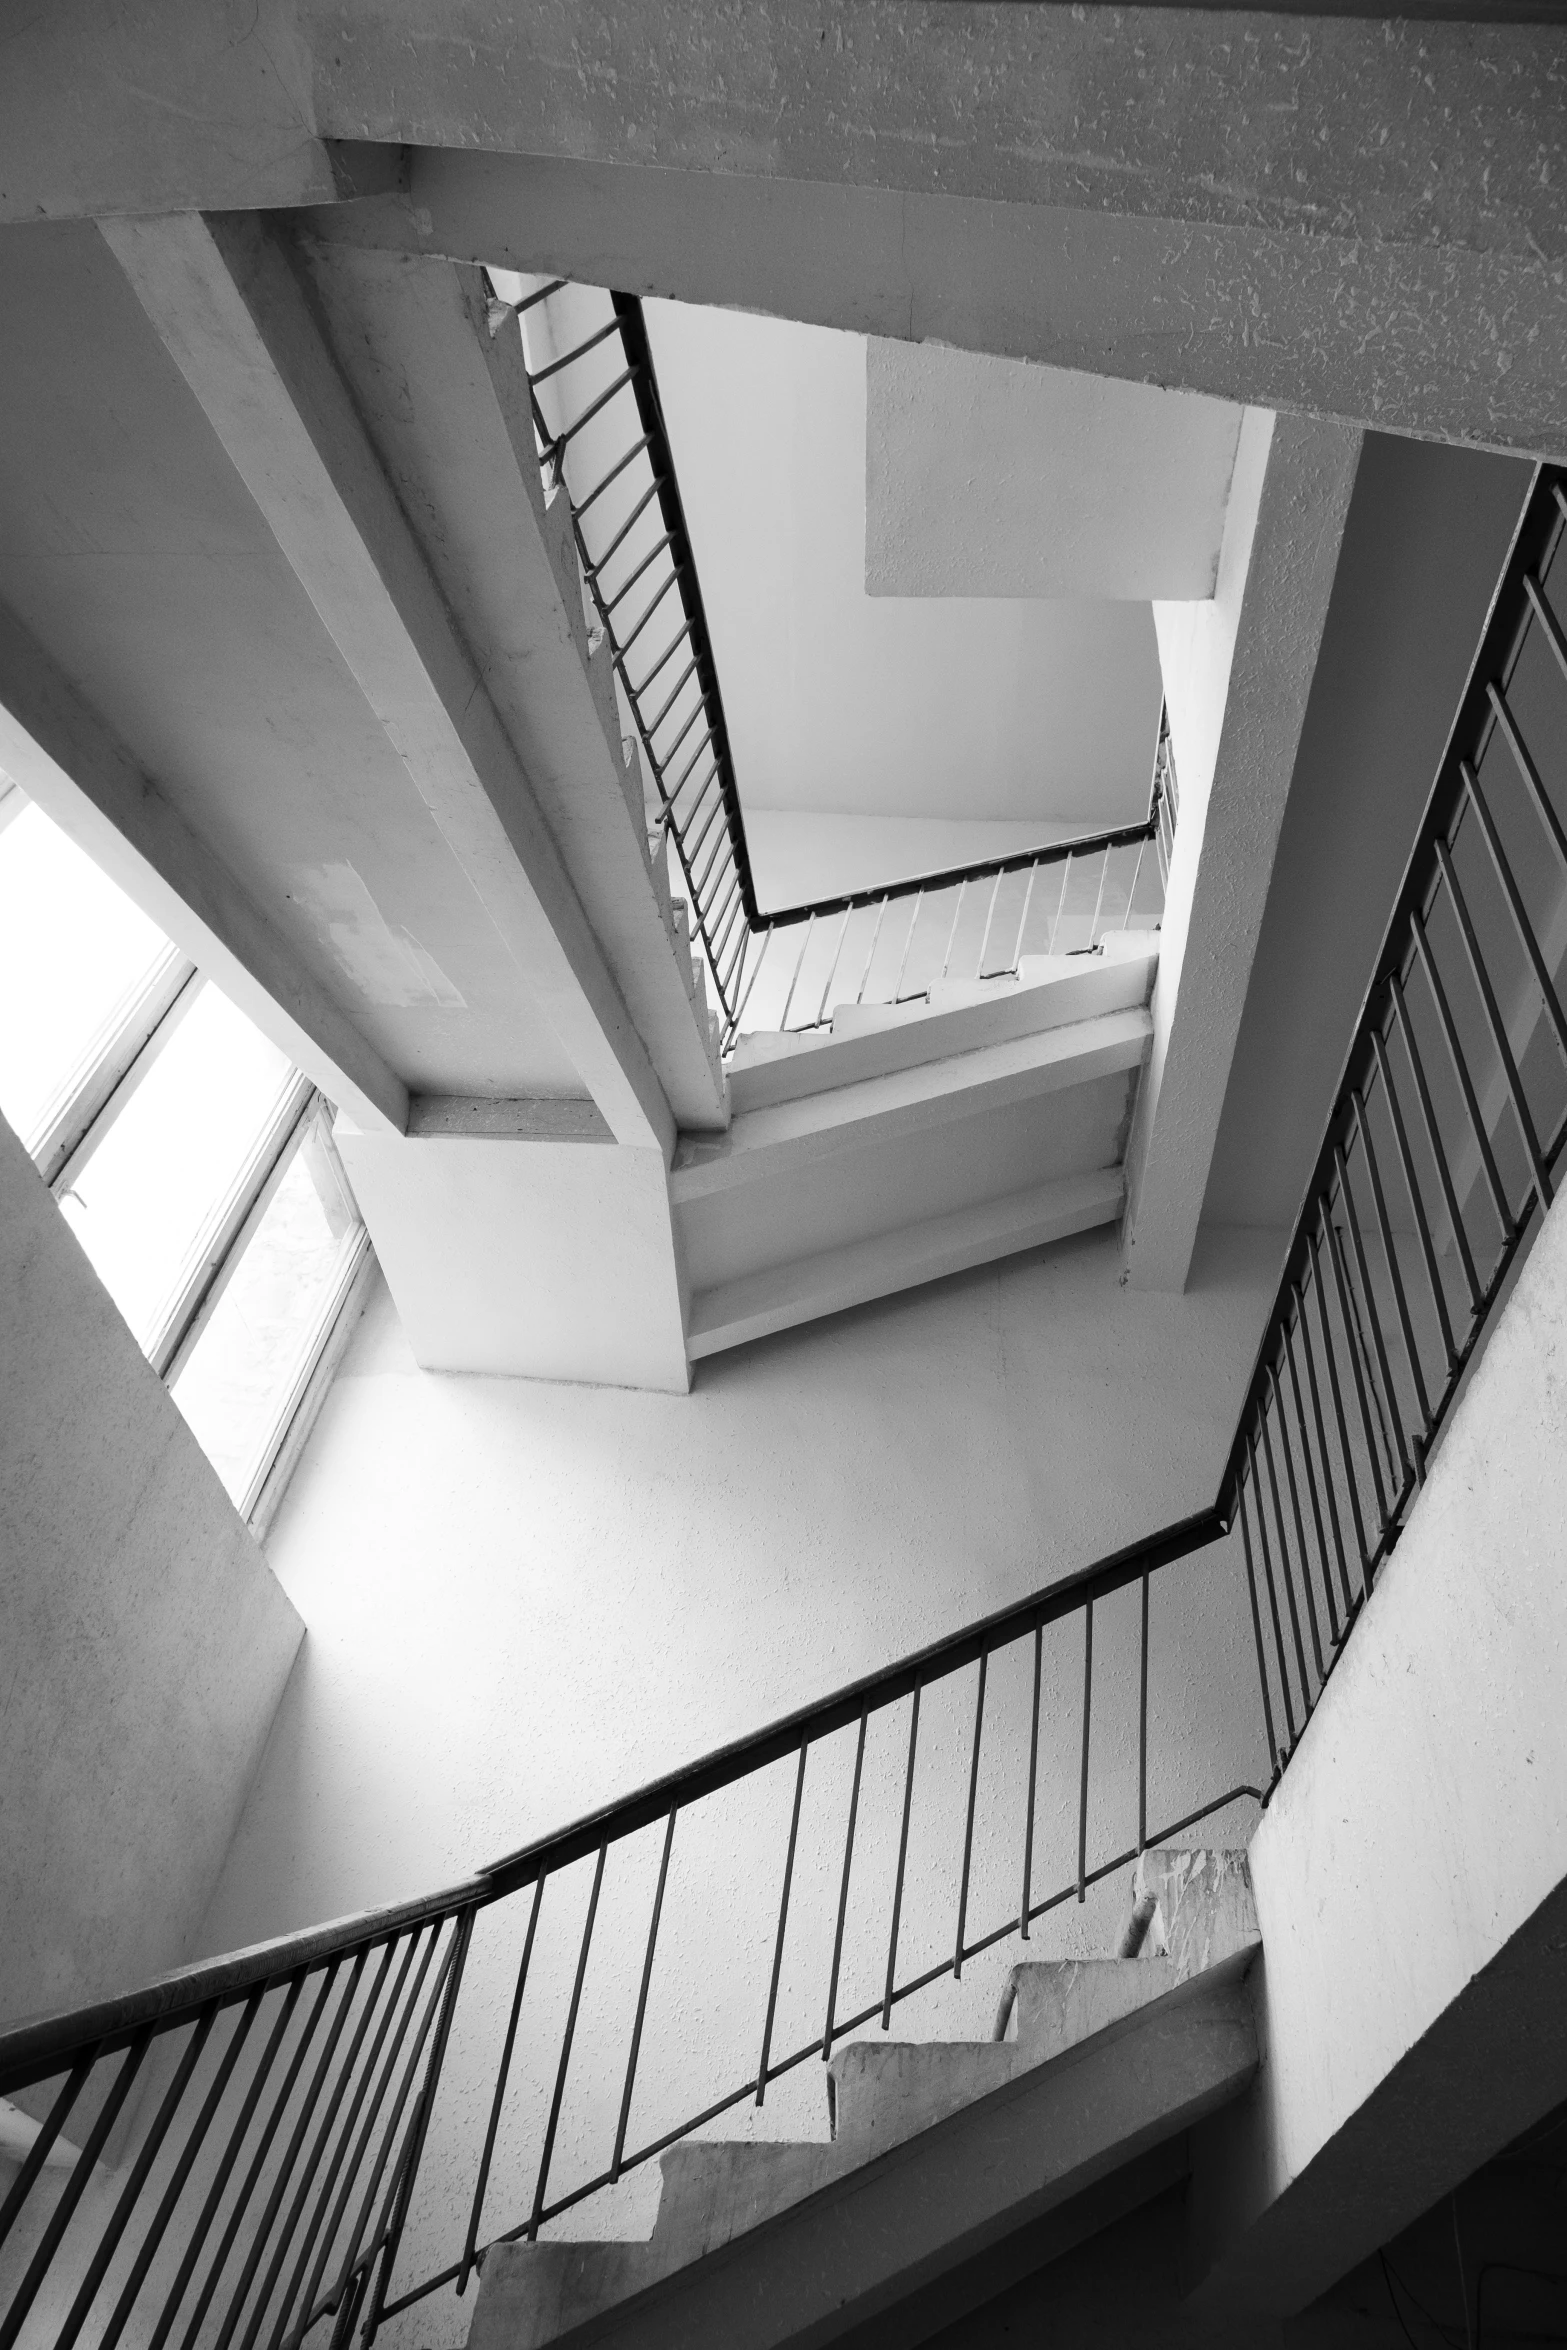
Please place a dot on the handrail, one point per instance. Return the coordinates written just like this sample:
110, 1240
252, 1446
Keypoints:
32, 2045
283, 2142
820, 1719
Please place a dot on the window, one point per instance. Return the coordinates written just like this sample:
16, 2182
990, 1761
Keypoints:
192, 1161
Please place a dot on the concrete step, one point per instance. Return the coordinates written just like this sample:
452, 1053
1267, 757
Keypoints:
873, 1040
901, 2102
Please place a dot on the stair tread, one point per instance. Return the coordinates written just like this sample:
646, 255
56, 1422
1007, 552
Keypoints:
885, 2094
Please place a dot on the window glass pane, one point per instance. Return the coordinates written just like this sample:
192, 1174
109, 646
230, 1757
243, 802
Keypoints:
147, 1198
73, 948
242, 1369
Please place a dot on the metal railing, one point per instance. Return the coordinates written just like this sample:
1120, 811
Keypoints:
602, 439
331, 2131
1439, 1159
891, 946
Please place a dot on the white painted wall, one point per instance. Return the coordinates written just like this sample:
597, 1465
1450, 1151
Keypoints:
526, 1598
992, 477
531, 1259
143, 1639
836, 700
1410, 1872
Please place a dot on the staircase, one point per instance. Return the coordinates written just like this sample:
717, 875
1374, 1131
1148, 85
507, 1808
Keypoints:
951, 2168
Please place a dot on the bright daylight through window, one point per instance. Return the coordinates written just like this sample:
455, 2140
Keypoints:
193, 1163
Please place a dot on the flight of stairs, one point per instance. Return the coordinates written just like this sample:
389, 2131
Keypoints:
952, 2167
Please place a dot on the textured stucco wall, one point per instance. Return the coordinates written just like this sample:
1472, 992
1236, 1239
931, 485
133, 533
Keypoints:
1411, 1872
144, 1642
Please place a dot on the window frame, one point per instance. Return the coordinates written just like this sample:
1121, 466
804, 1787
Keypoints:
83, 1112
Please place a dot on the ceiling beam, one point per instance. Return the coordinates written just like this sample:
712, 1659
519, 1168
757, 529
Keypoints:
66, 759
228, 301
907, 1102
1238, 674
758, 1305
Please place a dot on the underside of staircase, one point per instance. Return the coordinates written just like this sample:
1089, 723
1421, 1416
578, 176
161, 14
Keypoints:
952, 2169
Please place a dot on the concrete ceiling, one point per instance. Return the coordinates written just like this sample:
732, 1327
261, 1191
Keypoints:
955, 708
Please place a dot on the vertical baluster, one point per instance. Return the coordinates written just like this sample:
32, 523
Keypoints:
1455, 1051
821, 1009
1498, 1028
881, 916
372, 2063
1416, 1201
957, 916
1066, 875
1082, 1793
1330, 1354
236, 2139
756, 968
1516, 907
1028, 899
1322, 1452
351, 2259
1352, 1222
1137, 874
805, 949
1287, 1446
395, 2211
1341, 1283
783, 1919
80, 2178
1395, 1276
130, 2194
281, 2326
502, 2075
903, 1851
286, 2169
984, 944
1267, 1568
1274, 1757
175, 2188
241, 2206
1033, 1772
1104, 875
545, 2158
914, 920
54, 2121
968, 1831
843, 1890
636, 2029
1284, 1563
1435, 1145
1142, 1727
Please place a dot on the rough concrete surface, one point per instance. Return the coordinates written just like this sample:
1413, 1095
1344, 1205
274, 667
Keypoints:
144, 1642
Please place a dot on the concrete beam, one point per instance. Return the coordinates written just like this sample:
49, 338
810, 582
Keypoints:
906, 1102
447, 403
1238, 673
1448, 341
231, 309
1353, 216
66, 759
1410, 1872
758, 1305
